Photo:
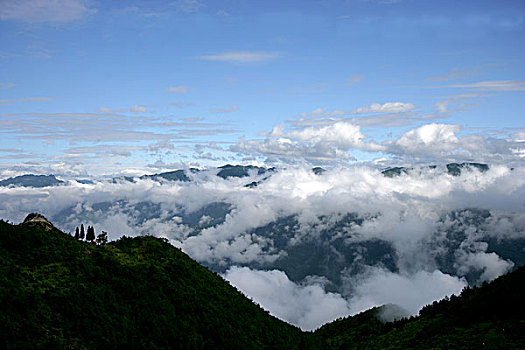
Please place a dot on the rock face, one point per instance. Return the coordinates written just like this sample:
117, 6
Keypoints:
35, 218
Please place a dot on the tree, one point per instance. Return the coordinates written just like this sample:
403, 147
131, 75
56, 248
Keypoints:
102, 238
77, 234
90, 236
82, 234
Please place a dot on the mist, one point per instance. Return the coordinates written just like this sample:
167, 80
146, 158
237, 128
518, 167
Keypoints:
314, 247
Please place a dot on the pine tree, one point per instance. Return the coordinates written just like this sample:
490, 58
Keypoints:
82, 234
90, 234
77, 234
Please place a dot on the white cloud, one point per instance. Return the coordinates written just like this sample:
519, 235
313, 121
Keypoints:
138, 109
429, 138
374, 108
177, 89
441, 143
333, 139
442, 106
454, 73
242, 56
415, 214
331, 142
307, 307
388, 107
490, 263
411, 292
343, 136
493, 85
38, 11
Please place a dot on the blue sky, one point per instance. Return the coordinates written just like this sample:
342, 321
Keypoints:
97, 87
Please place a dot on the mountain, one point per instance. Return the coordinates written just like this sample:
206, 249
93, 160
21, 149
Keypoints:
229, 170
453, 169
58, 292
491, 316
31, 180
176, 175
331, 243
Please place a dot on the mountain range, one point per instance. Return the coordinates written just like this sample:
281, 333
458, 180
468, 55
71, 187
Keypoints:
318, 243
224, 172
60, 292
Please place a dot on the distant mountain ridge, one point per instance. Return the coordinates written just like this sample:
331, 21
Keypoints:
30, 180
224, 172
453, 169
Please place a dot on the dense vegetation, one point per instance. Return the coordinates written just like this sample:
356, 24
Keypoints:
142, 293
135, 293
491, 316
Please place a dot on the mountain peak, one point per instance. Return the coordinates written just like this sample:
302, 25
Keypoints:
38, 218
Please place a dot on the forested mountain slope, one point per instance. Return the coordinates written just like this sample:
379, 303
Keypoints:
135, 293
143, 293
491, 316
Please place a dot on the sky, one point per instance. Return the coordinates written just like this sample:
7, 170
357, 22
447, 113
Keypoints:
94, 88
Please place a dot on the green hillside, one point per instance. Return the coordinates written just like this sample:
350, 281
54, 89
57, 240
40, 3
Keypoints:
135, 293
142, 293
491, 316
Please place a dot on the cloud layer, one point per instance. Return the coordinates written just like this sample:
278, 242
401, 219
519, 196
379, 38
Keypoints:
313, 247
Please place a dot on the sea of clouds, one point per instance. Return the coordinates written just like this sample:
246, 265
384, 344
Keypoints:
218, 222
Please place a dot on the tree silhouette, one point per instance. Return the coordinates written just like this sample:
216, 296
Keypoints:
82, 234
90, 236
102, 238
77, 234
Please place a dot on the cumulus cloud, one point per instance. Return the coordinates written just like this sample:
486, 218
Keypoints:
331, 142
314, 137
411, 292
434, 142
367, 238
434, 138
307, 307
491, 264
37, 11
334, 140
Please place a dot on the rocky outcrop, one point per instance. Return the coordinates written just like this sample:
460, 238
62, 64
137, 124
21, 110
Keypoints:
35, 218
